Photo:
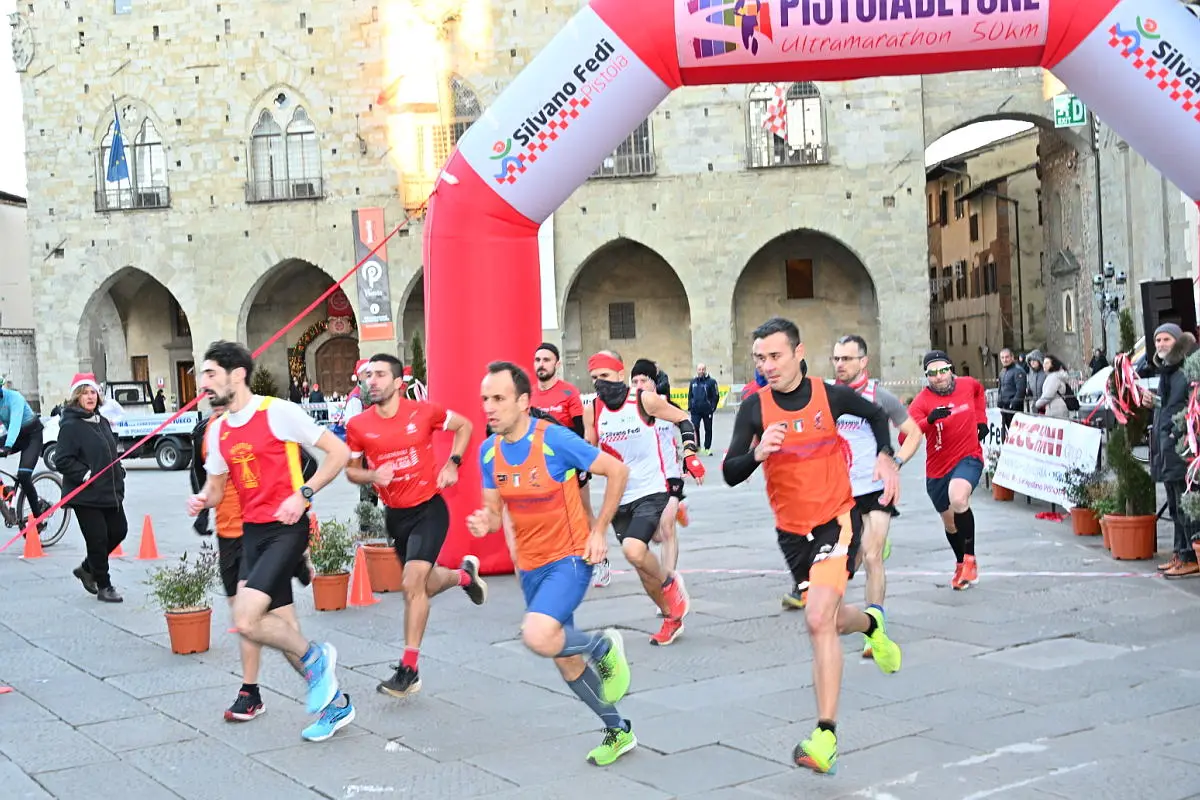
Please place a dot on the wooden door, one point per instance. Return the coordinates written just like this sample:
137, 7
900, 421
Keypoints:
185, 379
140, 367
335, 365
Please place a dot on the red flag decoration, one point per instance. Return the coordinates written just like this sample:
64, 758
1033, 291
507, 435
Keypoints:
776, 119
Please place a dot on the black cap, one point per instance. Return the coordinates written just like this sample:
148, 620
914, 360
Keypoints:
644, 367
935, 355
551, 348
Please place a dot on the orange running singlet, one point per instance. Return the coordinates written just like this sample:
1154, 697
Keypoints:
549, 523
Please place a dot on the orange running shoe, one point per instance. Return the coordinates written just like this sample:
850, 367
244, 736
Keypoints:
970, 571
669, 632
958, 582
677, 598
681, 516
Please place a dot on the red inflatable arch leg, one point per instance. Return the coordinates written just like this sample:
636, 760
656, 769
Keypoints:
1136, 63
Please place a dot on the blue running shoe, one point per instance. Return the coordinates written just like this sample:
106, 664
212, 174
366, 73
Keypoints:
322, 679
332, 720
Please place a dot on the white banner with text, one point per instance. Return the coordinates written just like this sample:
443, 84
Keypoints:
1038, 451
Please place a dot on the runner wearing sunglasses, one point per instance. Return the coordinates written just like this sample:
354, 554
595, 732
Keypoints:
952, 413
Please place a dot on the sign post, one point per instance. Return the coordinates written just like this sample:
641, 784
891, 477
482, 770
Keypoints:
1069, 112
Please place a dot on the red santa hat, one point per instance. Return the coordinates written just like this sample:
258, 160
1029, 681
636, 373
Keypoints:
358, 368
408, 375
84, 379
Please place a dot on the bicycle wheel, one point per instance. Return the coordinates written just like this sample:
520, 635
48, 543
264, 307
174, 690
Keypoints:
49, 489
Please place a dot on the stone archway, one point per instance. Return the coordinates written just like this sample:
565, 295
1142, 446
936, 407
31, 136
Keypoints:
134, 329
815, 281
277, 297
626, 297
411, 314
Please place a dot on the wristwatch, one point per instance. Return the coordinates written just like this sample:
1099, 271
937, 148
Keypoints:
457, 459
899, 462
306, 492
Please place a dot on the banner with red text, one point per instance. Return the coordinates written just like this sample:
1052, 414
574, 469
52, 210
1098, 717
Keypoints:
1039, 451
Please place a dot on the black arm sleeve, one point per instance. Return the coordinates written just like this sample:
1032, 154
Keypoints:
739, 463
844, 400
577, 425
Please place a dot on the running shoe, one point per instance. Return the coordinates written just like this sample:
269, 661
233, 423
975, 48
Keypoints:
970, 572
332, 720
477, 588
818, 752
617, 742
602, 574
887, 548
677, 598
681, 516
245, 708
322, 680
867, 651
613, 669
406, 681
885, 652
669, 632
958, 582
796, 599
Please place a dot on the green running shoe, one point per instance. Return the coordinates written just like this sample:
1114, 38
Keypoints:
617, 742
887, 548
613, 669
885, 652
818, 752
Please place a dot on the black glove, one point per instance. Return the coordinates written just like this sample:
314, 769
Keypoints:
983, 430
584, 477
938, 413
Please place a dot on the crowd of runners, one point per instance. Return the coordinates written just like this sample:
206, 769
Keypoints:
831, 475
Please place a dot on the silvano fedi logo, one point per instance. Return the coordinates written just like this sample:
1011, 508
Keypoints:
539, 130
1148, 50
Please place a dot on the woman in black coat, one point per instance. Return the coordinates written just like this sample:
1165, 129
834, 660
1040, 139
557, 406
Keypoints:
86, 445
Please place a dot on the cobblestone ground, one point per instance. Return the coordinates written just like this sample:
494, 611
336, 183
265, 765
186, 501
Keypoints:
1062, 674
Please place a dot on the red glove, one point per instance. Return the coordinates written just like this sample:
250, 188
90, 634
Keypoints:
694, 466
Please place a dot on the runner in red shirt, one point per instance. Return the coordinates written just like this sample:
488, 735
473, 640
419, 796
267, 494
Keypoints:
254, 449
952, 413
395, 436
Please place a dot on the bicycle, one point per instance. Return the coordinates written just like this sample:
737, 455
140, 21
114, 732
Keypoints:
15, 508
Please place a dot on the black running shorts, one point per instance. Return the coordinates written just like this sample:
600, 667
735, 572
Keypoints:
867, 503
802, 553
229, 557
271, 552
639, 519
418, 533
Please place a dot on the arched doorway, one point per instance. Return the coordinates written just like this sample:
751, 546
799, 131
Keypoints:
133, 329
627, 298
335, 365
284, 291
412, 318
813, 280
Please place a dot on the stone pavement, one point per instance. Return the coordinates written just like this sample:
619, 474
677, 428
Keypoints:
1062, 674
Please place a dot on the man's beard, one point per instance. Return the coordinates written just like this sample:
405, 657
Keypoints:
543, 376
384, 395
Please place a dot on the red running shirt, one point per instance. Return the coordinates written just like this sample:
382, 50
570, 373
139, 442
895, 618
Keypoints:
406, 442
560, 401
953, 438
264, 469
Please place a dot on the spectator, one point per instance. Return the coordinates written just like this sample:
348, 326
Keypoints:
1011, 399
1099, 361
1051, 402
702, 404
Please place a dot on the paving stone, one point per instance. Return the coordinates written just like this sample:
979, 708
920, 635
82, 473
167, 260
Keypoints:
699, 770
1056, 654
15, 707
19, 786
177, 677
855, 732
135, 733
107, 653
44, 746
950, 705
118, 777
78, 698
205, 769
596, 783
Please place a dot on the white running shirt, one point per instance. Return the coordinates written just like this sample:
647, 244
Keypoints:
638, 444
672, 465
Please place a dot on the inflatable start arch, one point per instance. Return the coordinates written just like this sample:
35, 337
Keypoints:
1135, 62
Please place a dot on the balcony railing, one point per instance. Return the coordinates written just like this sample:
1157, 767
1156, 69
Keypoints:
133, 199
763, 154
285, 190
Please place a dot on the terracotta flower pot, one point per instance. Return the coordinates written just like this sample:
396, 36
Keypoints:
1085, 522
384, 568
330, 591
190, 631
1001, 493
1133, 538
1104, 533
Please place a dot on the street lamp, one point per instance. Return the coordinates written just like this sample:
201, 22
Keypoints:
1108, 297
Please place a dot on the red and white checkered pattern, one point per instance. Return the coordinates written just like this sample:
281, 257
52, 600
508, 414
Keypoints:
1161, 76
566, 115
776, 120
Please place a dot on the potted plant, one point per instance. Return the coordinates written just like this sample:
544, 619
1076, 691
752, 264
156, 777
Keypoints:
1080, 485
331, 551
1104, 503
991, 460
181, 590
1133, 526
383, 565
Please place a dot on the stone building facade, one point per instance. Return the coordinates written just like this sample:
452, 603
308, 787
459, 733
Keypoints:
252, 133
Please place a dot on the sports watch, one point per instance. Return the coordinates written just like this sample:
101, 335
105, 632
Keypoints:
306, 492
457, 459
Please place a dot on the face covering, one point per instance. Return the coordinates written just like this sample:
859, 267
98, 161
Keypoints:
612, 393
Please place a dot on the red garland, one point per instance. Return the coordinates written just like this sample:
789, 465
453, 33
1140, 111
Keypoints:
1192, 431
1123, 395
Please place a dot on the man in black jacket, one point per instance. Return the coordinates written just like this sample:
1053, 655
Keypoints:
1013, 385
1171, 347
703, 395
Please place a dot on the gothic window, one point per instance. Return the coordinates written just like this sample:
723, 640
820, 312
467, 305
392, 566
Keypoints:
633, 157
285, 156
430, 134
460, 108
1068, 311
785, 126
139, 179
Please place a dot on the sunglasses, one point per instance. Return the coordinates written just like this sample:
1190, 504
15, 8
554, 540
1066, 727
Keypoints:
933, 373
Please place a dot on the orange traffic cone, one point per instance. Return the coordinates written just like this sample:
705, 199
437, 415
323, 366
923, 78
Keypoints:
5, 689
149, 548
118, 553
360, 582
33, 541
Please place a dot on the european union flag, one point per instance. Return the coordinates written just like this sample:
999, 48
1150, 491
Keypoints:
118, 167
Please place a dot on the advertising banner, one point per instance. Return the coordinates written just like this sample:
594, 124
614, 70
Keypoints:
374, 289
718, 33
1038, 451
561, 117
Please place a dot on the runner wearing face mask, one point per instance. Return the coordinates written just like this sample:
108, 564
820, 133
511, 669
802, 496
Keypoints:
622, 422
